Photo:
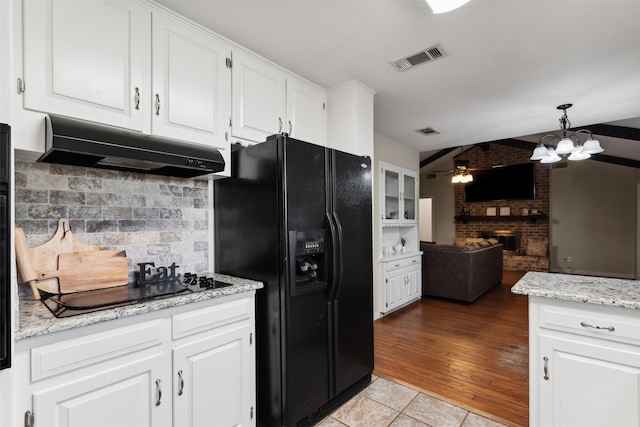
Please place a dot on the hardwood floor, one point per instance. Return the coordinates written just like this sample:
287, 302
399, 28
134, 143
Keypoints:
475, 356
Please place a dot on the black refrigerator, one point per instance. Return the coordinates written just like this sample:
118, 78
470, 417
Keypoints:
297, 217
5, 248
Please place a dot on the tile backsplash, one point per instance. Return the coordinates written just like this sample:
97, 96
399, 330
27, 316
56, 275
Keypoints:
154, 218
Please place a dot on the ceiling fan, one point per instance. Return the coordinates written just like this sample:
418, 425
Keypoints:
462, 172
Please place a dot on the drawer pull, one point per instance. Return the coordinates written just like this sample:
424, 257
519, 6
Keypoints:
608, 328
546, 367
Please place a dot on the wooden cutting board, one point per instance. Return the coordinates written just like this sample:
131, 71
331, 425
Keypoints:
45, 257
84, 271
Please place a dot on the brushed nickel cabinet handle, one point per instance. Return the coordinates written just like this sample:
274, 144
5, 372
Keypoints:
158, 393
546, 367
136, 98
279, 124
608, 328
290, 128
181, 383
157, 104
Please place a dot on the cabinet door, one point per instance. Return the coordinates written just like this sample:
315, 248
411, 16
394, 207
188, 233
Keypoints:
413, 274
88, 59
214, 379
258, 98
588, 384
409, 197
191, 83
306, 112
394, 290
127, 396
391, 194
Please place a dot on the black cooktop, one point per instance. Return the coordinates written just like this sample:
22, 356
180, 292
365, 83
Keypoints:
66, 305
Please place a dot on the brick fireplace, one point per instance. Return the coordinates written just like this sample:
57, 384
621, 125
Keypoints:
510, 239
513, 230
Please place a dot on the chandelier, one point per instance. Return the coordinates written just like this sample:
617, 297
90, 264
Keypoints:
566, 146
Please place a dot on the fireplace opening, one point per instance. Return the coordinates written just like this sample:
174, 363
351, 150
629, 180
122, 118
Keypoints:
510, 239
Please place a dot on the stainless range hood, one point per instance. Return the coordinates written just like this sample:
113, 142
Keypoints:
82, 143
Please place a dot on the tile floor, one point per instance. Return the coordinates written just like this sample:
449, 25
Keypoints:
386, 403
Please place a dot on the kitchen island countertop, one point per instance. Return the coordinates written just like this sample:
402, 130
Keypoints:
589, 289
35, 319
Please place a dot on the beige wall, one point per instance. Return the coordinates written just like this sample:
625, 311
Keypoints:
593, 219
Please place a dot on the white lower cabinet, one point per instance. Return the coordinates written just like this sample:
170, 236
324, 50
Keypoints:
191, 365
127, 395
401, 282
584, 365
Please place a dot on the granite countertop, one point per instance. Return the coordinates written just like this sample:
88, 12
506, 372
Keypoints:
589, 289
35, 319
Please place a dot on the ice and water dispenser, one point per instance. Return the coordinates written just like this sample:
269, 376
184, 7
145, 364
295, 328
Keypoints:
309, 257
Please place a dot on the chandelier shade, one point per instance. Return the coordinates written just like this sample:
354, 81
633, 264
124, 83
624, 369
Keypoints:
566, 145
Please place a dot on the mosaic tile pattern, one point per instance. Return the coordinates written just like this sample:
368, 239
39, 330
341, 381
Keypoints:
386, 403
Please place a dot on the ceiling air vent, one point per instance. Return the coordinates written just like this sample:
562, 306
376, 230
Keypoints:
428, 131
427, 55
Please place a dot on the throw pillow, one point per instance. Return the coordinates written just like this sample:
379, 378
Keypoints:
493, 241
537, 247
459, 241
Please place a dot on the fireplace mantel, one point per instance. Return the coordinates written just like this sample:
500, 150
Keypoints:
530, 218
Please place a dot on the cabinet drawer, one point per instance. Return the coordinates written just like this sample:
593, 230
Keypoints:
595, 324
402, 263
204, 319
69, 355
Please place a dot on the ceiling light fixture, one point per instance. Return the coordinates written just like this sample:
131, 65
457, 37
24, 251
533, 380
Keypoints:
461, 177
566, 146
461, 173
443, 6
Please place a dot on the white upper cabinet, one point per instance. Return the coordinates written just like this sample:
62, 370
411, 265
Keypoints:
88, 59
191, 83
267, 101
258, 92
306, 112
128, 65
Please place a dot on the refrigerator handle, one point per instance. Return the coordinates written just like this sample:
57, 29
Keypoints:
336, 238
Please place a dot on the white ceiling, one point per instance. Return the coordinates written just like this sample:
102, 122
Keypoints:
509, 63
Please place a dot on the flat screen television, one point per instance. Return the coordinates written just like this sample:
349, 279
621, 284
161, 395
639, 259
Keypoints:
512, 182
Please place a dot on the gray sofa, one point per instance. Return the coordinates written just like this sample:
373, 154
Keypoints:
461, 273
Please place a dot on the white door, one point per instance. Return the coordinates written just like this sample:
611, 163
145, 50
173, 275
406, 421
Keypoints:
306, 112
588, 385
258, 98
425, 224
191, 84
88, 59
128, 396
214, 379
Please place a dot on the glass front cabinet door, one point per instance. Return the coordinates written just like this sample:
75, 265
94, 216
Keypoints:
399, 198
